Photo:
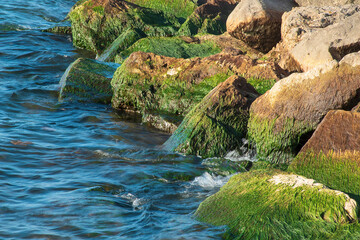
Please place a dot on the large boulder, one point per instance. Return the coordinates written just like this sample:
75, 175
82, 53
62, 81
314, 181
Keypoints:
88, 80
149, 82
284, 117
332, 155
208, 18
258, 22
312, 36
218, 123
277, 205
96, 24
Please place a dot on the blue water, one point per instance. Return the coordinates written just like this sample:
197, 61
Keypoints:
82, 171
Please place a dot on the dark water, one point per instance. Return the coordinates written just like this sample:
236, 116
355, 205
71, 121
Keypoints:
78, 171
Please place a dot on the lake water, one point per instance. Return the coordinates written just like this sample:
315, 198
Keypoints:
82, 171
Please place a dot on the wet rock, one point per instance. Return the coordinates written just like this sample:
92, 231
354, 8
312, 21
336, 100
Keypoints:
314, 36
261, 204
283, 118
258, 22
210, 17
218, 123
88, 80
165, 123
59, 30
147, 82
96, 24
332, 155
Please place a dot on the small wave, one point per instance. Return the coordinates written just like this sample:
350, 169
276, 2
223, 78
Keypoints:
244, 153
209, 181
137, 203
13, 27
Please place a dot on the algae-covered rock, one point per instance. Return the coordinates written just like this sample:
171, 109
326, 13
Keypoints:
59, 30
258, 22
149, 82
218, 123
208, 18
88, 80
332, 155
282, 119
178, 47
121, 43
272, 204
97, 23
164, 122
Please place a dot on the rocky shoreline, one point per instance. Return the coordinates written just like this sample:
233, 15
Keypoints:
283, 74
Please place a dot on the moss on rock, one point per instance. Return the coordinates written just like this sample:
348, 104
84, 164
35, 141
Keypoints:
177, 47
270, 204
97, 23
88, 80
218, 123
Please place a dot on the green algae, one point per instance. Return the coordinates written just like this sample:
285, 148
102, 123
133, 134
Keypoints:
261, 85
88, 80
95, 28
196, 24
276, 146
340, 172
171, 47
180, 8
170, 95
253, 208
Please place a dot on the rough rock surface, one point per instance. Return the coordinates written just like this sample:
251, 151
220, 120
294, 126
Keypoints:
324, 3
218, 123
258, 22
146, 81
96, 24
254, 207
332, 155
282, 118
315, 36
88, 80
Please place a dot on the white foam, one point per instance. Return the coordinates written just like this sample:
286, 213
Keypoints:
136, 202
210, 181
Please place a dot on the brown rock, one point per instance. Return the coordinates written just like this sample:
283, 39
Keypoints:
281, 118
258, 22
322, 3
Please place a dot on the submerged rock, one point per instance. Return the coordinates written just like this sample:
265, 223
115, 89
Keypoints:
272, 204
218, 123
147, 82
88, 80
258, 22
282, 119
332, 155
96, 24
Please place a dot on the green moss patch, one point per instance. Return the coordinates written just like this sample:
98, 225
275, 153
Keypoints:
180, 8
254, 208
171, 47
196, 24
338, 171
261, 85
273, 145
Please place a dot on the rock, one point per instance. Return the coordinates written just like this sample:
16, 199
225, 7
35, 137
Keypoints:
315, 36
284, 117
96, 24
59, 30
165, 123
271, 204
147, 82
324, 3
179, 47
88, 80
124, 41
258, 22
208, 18
356, 108
332, 155
218, 123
